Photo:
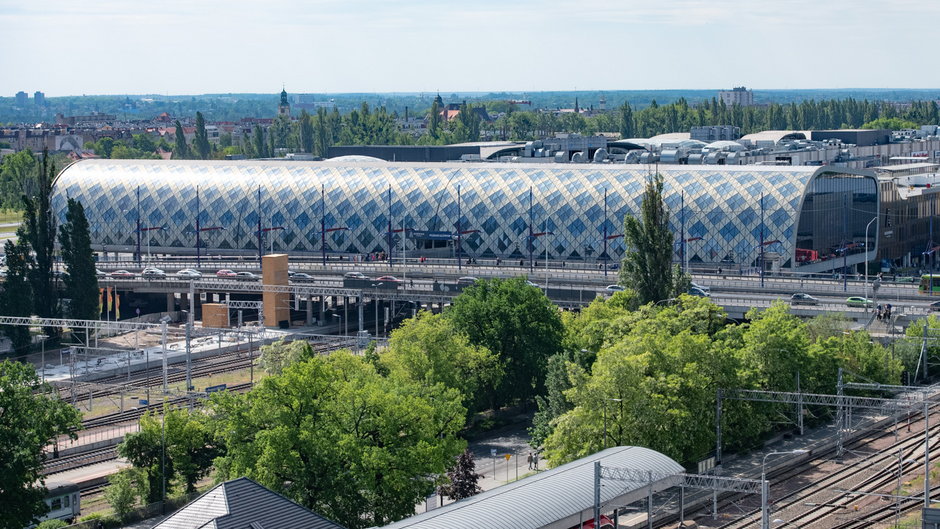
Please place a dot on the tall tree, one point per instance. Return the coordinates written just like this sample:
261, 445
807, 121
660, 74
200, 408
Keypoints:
434, 121
258, 143
647, 264
306, 132
39, 220
518, 323
201, 141
31, 416
626, 121
180, 148
81, 283
16, 298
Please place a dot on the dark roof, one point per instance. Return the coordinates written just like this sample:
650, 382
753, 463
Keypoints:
242, 504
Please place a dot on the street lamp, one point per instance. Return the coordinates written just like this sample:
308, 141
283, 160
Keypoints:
866, 255
765, 488
605, 417
340, 316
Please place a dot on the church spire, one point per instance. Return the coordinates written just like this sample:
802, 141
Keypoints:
283, 109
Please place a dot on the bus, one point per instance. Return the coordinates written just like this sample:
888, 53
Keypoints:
929, 284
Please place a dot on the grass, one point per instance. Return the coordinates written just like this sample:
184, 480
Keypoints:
112, 404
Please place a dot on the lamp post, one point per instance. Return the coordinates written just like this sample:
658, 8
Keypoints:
866, 255
765, 488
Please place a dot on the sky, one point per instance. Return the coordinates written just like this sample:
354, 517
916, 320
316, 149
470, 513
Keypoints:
68, 47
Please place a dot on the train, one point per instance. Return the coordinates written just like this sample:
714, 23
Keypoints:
64, 501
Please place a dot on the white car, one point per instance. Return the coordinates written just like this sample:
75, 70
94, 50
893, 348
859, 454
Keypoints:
355, 275
613, 289
153, 273
188, 273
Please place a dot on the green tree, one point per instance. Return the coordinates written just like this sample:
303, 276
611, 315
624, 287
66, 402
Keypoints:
201, 141
180, 441
31, 416
81, 283
280, 354
144, 143
259, 144
104, 147
126, 489
626, 121
518, 323
427, 349
40, 232
647, 263
17, 178
890, 124
180, 148
339, 438
306, 132
434, 121
16, 298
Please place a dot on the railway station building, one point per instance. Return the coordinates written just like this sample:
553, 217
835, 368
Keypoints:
804, 219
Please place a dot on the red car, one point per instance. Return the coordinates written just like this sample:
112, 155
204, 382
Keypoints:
225, 272
388, 279
122, 274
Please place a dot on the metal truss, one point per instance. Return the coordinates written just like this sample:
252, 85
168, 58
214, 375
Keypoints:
783, 397
79, 324
236, 305
695, 481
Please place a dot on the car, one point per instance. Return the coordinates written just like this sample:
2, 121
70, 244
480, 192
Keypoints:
153, 273
904, 279
388, 279
225, 272
934, 307
803, 299
858, 301
354, 275
531, 284
697, 292
60, 274
188, 273
703, 288
613, 289
122, 274
300, 276
466, 280
246, 276
100, 273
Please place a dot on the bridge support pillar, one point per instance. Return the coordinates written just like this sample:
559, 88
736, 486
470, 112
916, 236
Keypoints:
322, 321
170, 302
361, 305
309, 310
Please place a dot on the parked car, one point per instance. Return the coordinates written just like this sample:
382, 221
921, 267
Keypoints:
355, 275
246, 276
934, 307
466, 280
122, 274
153, 273
225, 272
613, 289
301, 276
858, 301
188, 273
60, 274
803, 299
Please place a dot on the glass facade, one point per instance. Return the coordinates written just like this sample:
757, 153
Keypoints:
835, 213
723, 213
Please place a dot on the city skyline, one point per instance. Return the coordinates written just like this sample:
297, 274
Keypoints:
327, 46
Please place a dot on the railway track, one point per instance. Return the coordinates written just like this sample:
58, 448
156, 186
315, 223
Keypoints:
84, 459
847, 495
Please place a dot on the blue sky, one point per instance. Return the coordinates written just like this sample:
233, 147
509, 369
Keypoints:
68, 47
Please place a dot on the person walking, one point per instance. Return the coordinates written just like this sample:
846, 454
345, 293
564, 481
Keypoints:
529, 459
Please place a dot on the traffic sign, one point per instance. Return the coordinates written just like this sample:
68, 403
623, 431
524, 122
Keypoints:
507, 456
144, 402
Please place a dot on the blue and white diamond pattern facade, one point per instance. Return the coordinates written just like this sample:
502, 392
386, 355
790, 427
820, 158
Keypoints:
718, 208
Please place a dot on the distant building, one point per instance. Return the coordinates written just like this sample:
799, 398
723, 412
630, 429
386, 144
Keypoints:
39, 98
283, 109
738, 95
22, 98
